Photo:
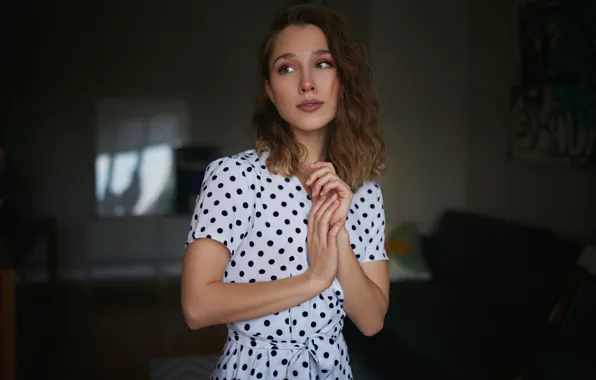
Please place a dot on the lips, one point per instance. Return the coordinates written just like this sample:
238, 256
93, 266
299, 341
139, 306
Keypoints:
310, 105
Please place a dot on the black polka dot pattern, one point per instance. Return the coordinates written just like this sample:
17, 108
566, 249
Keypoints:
366, 224
225, 206
261, 218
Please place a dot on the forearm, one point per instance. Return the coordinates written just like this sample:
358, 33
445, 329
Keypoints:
220, 302
364, 302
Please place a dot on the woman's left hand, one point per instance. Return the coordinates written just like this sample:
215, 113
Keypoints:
323, 181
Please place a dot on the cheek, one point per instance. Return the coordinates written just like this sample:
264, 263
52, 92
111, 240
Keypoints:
336, 86
328, 82
282, 90
334, 89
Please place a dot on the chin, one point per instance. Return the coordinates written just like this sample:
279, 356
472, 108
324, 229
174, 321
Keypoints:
311, 124
310, 128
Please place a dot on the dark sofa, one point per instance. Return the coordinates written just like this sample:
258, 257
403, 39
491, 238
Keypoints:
483, 315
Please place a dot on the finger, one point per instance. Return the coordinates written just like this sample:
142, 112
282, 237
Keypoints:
312, 216
332, 236
337, 226
309, 227
317, 203
324, 205
315, 175
321, 228
337, 185
321, 164
321, 181
317, 198
323, 223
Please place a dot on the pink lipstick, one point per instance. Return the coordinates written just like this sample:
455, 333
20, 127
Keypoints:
310, 105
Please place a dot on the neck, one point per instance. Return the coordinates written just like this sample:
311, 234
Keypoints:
316, 146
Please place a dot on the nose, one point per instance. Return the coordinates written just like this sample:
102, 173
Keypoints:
307, 85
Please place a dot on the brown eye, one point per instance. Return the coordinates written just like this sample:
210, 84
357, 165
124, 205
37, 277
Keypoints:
324, 64
285, 69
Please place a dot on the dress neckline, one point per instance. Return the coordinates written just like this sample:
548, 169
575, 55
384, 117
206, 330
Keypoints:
294, 180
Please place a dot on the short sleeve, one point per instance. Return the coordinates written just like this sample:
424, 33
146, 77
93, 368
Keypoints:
370, 210
224, 207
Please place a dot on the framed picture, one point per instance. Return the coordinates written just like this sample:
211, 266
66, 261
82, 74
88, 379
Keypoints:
553, 98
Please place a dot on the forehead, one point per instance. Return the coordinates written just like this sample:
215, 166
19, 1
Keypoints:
298, 39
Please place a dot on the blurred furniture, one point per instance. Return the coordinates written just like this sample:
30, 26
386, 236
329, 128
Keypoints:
16, 247
7, 315
484, 313
191, 164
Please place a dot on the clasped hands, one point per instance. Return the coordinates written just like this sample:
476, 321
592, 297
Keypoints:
331, 203
324, 183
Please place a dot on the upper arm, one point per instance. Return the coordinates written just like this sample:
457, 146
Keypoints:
378, 272
222, 216
204, 262
373, 257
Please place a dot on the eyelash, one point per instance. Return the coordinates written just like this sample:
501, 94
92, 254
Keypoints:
284, 67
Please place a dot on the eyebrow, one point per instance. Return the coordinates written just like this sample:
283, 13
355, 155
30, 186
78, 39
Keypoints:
292, 55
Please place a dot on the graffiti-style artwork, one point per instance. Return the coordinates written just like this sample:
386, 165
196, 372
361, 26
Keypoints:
554, 96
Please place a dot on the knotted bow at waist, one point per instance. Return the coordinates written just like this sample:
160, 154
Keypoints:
318, 354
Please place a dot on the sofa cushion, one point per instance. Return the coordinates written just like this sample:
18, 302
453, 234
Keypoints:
456, 332
383, 356
521, 266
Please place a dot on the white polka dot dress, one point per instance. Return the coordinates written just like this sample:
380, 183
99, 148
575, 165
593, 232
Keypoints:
261, 218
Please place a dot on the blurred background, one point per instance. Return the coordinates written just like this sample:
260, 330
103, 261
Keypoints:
114, 108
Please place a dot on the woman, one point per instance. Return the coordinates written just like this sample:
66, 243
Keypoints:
287, 238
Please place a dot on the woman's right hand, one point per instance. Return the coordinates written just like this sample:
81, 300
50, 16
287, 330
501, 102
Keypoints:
323, 252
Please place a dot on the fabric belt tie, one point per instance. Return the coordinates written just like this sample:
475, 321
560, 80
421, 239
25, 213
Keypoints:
319, 353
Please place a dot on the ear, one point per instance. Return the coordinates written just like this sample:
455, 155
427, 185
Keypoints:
269, 92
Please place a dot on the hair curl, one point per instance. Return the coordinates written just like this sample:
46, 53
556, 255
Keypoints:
355, 144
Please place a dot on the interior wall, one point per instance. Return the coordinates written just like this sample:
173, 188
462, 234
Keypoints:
441, 70
557, 196
201, 53
419, 52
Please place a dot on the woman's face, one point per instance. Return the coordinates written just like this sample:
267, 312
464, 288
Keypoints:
303, 83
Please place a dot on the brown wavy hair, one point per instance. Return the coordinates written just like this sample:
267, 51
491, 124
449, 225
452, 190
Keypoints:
355, 144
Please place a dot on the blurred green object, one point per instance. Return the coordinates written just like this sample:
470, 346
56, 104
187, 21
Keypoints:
403, 244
